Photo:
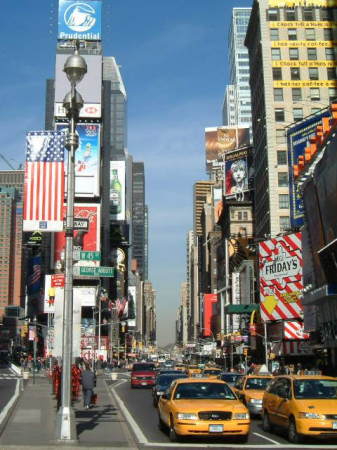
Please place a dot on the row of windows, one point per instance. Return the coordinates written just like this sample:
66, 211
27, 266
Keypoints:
308, 13
312, 74
297, 96
297, 114
310, 34
294, 54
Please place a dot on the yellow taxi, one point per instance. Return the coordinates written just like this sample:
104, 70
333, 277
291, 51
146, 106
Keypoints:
250, 390
202, 407
305, 405
211, 372
193, 370
181, 367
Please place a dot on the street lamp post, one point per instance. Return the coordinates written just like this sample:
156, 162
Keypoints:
75, 68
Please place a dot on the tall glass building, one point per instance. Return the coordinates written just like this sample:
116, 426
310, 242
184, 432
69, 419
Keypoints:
237, 107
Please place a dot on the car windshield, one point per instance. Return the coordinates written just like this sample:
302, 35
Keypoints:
166, 380
203, 391
324, 389
211, 371
257, 383
229, 377
143, 367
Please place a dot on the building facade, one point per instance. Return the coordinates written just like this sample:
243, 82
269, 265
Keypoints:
292, 75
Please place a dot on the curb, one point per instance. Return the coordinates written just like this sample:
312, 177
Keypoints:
9, 408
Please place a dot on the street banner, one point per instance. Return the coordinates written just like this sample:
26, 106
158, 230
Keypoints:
44, 181
294, 329
281, 277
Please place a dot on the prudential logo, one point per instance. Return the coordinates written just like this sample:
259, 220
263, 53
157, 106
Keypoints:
80, 17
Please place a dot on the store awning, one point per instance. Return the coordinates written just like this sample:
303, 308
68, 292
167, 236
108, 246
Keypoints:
241, 309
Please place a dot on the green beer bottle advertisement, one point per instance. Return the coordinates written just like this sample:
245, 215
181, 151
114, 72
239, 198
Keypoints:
115, 193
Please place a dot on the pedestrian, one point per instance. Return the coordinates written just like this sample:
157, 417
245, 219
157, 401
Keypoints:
88, 383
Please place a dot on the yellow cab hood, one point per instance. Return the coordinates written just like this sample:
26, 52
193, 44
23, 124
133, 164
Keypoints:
189, 405
254, 393
318, 406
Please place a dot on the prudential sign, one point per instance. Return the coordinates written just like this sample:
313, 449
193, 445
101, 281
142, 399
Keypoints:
79, 20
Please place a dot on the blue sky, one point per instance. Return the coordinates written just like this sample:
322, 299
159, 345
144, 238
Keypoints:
173, 57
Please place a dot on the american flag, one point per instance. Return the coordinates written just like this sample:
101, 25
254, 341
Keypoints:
34, 275
44, 181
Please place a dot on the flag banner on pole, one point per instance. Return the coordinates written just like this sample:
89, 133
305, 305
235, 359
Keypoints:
34, 275
44, 181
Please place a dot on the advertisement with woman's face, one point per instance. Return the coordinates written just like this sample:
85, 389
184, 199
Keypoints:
237, 174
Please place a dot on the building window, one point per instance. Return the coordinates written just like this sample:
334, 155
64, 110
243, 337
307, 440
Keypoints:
284, 223
296, 94
275, 53
332, 94
277, 73
280, 137
274, 34
328, 35
278, 94
273, 14
295, 73
283, 179
324, 14
279, 115
281, 157
298, 114
292, 34
283, 201
308, 13
313, 73
290, 14
329, 53
293, 53
312, 53
331, 73
310, 34
314, 94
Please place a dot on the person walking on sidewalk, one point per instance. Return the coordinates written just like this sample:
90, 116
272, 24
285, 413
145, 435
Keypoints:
88, 384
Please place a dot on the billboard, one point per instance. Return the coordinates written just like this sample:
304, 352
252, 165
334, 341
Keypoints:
220, 140
79, 20
294, 329
53, 293
117, 190
209, 301
90, 87
132, 300
298, 137
217, 203
87, 159
86, 240
238, 173
281, 278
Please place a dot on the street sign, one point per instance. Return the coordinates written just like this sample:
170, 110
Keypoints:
79, 224
90, 256
96, 271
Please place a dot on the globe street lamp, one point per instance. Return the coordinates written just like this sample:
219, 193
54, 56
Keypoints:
75, 68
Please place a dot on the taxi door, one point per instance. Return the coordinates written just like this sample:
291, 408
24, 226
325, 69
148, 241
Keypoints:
283, 402
271, 400
239, 386
165, 405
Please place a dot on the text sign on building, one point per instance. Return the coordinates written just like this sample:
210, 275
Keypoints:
79, 20
281, 284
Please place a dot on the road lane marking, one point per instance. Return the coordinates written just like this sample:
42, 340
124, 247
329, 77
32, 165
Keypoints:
267, 438
4, 412
134, 425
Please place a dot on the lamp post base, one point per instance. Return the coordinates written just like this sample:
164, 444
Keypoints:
66, 426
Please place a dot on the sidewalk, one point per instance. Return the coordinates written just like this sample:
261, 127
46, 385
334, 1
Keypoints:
32, 424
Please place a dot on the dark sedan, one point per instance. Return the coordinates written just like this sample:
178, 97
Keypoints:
163, 382
229, 377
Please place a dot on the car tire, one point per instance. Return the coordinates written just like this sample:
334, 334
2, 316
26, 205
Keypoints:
266, 425
293, 436
173, 436
242, 439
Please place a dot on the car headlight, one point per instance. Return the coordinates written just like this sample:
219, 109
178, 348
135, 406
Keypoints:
160, 392
187, 416
256, 401
240, 416
310, 415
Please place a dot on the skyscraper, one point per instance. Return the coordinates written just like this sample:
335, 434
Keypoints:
292, 75
237, 95
138, 218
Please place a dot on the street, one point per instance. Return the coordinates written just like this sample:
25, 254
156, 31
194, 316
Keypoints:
7, 385
144, 422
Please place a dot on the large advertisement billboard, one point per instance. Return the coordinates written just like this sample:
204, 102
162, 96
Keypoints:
79, 20
209, 301
132, 300
238, 173
117, 190
281, 278
85, 239
90, 87
220, 140
298, 139
87, 159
